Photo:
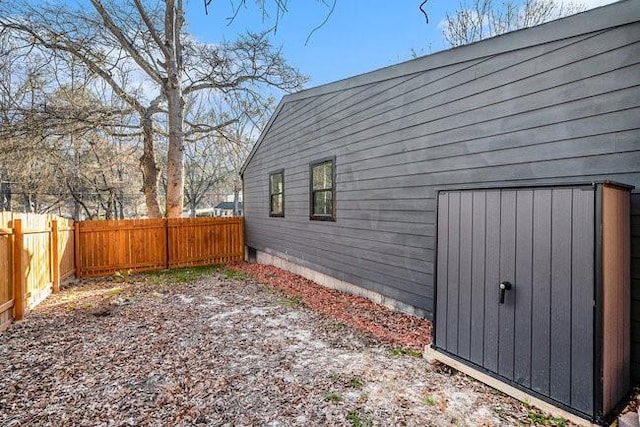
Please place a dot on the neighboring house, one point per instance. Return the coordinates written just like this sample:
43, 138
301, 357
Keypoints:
342, 185
226, 209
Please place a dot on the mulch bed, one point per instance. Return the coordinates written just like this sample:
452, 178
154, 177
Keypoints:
388, 326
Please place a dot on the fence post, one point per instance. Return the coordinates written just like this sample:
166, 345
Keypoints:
55, 256
18, 273
76, 248
242, 246
166, 243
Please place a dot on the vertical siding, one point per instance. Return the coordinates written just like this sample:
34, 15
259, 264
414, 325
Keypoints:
453, 273
478, 257
443, 250
541, 276
506, 311
582, 281
465, 273
541, 240
563, 111
560, 357
492, 275
524, 306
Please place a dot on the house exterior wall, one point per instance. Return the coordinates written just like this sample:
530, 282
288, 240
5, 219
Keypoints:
564, 110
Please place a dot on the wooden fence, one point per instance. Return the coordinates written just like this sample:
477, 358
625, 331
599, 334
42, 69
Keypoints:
37, 252
105, 247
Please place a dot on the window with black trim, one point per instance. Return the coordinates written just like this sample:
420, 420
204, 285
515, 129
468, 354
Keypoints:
322, 190
276, 193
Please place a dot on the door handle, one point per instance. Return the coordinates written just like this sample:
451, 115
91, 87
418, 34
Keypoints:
504, 286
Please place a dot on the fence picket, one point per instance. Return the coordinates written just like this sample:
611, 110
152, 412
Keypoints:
6, 274
37, 252
140, 245
55, 256
65, 248
18, 278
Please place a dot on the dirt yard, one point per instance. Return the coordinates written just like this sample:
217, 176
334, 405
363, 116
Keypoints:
215, 347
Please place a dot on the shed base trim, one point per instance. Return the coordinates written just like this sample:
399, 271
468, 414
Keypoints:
433, 355
291, 266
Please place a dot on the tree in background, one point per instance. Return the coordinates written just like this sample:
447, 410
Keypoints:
146, 43
63, 143
482, 19
237, 142
204, 162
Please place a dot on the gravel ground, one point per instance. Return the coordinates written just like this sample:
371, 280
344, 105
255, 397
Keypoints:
221, 349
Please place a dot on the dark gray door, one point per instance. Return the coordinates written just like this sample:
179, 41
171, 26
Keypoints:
541, 241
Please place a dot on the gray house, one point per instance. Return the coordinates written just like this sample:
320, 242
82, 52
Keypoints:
345, 183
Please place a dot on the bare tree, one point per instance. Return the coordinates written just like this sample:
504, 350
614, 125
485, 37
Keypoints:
149, 41
57, 139
204, 170
23, 169
481, 19
238, 140
204, 159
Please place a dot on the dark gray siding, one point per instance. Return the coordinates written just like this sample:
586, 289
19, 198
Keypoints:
542, 241
563, 111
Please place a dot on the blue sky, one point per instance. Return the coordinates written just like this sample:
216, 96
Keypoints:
358, 37
354, 40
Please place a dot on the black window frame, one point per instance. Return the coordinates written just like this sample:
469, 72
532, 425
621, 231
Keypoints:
271, 194
312, 192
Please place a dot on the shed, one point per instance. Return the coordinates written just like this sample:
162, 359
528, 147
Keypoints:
532, 287
342, 185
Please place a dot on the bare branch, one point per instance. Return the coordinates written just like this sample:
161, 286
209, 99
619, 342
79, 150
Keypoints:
485, 19
203, 128
71, 48
150, 27
323, 23
125, 42
424, 12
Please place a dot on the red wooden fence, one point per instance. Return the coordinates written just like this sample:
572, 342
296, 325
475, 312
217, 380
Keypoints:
105, 247
37, 252
205, 241
6, 277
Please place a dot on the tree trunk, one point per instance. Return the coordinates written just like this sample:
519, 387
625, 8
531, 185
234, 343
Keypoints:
149, 169
175, 153
27, 203
121, 206
173, 21
5, 196
236, 204
76, 210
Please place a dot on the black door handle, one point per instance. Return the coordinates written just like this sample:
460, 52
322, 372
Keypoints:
504, 286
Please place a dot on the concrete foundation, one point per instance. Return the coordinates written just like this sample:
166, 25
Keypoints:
290, 264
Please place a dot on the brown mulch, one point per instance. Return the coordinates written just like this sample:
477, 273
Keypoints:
388, 326
223, 350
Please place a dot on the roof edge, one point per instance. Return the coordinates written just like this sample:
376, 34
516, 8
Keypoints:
623, 12
608, 16
275, 114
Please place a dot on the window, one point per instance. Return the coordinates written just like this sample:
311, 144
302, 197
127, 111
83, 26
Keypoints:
322, 190
276, 193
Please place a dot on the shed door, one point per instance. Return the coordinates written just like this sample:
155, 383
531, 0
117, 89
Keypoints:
542, 242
